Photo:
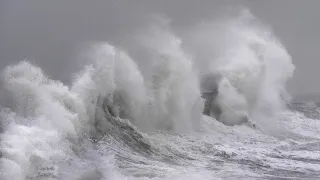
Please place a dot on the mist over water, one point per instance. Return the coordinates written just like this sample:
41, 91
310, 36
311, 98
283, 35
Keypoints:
115, 121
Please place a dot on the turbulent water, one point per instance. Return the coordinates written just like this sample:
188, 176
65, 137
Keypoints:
210, 104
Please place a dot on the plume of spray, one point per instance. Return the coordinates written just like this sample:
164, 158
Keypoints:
114, 78
50, 122
177, 103
252, 65
43, 124
171, 100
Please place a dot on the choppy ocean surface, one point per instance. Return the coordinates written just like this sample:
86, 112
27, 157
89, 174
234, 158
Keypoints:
212, 105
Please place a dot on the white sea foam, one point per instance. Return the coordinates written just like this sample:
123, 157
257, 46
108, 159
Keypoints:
93, 127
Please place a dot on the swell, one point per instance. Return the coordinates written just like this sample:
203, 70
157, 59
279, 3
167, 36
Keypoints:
48, 125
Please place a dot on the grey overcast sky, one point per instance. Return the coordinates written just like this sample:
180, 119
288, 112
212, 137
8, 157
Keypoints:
48, 32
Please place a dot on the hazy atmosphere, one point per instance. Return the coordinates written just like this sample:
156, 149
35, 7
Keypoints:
51, 33
159, 90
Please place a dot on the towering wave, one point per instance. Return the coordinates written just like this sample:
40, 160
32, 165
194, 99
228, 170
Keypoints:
51, 126
175, 87
251, 65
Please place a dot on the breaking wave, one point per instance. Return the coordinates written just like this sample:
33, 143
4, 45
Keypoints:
115, 122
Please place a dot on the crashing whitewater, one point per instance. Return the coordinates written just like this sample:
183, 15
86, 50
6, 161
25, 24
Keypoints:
212, 104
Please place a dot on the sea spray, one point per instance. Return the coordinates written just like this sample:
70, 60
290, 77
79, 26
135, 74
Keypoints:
175, 86
51, 129
249, 60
